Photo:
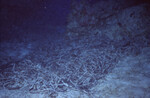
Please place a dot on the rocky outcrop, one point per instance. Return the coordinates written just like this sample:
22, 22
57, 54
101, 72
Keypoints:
116, 19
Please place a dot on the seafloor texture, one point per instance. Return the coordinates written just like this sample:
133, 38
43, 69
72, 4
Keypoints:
103, 55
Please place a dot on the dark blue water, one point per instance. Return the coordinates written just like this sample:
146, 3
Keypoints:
32, 16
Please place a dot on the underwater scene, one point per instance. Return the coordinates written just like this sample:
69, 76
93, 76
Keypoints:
74, 49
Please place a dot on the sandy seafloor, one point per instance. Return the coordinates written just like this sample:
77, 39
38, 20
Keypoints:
129, 79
